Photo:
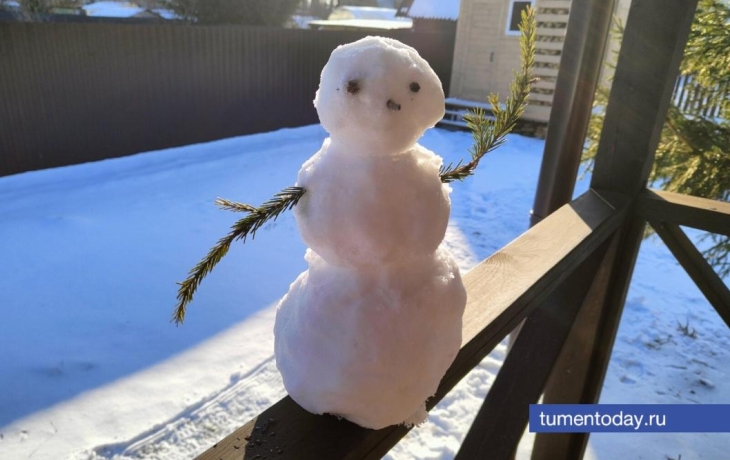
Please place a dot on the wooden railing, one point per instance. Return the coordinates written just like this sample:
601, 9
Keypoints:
567, 277
502, 291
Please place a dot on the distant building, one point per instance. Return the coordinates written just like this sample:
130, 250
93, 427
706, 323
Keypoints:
431, 15
362, 18
488, 51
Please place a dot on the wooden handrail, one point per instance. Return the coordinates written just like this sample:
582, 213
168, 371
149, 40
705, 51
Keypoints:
502, 291
712, 286
691, 211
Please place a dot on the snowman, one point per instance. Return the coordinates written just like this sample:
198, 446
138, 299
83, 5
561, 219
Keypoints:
368, 331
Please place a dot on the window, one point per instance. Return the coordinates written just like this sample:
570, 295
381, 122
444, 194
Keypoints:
514, 16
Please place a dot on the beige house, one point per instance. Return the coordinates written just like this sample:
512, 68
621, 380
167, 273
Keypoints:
487, 51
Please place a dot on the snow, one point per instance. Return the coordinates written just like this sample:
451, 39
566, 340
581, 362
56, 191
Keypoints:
112, 9
435, 9
302, 22
365, 96
92, 368
365, 24
362, 12
379, 291
401, 325
375, 198
166, 14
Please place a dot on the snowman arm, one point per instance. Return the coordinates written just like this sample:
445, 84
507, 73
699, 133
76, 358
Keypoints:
491, 132
257, 216
234, 206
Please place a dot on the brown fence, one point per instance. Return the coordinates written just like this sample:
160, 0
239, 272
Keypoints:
71, 93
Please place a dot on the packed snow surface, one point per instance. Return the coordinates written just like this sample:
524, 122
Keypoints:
368, 331
92, 368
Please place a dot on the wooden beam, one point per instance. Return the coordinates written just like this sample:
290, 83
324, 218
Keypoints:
550, 32
561, 18
540, 97
648, 64
581, 61
543, 84
576, 373
502, 291
502, 419
691, 211
696, 267
545, 72
547, 58
653, 44
580, 371
554, 4
552, 46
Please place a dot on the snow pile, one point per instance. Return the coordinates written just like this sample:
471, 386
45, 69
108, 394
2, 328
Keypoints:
112, 9
369, 330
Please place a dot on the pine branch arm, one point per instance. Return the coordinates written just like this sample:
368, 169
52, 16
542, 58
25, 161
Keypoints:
488, 134
257, 217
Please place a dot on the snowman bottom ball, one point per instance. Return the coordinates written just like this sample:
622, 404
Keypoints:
370, 347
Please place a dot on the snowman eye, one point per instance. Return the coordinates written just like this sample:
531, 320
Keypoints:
415, 87
353, 86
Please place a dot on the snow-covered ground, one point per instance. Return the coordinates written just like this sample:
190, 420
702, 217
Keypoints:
116, 9
91, 367
112, 9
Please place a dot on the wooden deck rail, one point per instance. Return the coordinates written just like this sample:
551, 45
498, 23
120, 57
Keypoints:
502, 291
568, 277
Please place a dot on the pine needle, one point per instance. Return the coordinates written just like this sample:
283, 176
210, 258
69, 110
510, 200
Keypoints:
490, 133
234, 206
282, 201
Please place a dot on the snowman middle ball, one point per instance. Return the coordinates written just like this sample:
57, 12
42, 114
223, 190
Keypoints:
374, 196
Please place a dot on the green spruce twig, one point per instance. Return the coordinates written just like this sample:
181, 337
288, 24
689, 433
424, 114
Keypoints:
282, 201
490, 133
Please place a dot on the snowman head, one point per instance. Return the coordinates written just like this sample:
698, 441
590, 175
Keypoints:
378, 93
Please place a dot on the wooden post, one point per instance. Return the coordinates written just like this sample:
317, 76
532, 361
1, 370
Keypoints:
654, 40
498, 427
580, 67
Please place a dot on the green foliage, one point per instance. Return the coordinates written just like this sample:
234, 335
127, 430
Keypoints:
693, 156
282, 201
241, 12
707, 55
490, 133
321, 8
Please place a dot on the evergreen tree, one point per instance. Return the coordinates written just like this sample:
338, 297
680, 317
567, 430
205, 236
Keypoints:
33, 9
693, 156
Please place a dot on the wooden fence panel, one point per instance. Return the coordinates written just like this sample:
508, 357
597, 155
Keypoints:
78, 92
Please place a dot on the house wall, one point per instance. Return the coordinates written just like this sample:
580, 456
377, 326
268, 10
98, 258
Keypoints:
485, 56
